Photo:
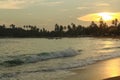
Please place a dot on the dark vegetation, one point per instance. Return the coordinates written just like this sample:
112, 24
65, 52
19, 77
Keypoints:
102, 29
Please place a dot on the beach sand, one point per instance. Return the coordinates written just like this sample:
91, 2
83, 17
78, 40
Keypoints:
104, 70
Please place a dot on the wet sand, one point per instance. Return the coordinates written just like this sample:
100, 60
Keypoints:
113, 78
104, 70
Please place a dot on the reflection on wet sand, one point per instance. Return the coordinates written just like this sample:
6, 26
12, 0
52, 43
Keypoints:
113, 78
112, 68
100, 71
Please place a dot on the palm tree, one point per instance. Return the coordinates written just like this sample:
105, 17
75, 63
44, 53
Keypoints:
115, 22
12, 26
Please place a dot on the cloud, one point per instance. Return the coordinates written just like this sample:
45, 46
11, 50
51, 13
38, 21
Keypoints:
64, 10
16, 4
20, 4
11, 4
102, 4
88, 17
55, 3
82, 8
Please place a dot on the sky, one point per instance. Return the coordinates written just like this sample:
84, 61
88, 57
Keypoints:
46, 13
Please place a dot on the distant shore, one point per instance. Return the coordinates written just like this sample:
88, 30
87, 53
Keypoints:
82, 36
61, 31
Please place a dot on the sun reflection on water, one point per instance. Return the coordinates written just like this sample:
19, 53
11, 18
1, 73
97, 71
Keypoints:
107, 46
111, 67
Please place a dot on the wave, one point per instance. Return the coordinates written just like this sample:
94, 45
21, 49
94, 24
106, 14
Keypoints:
80, 63
19, 60
77, 63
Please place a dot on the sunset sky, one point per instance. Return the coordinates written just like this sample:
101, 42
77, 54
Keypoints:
48, 12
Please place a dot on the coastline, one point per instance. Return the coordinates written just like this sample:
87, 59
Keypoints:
81, 36
104, 70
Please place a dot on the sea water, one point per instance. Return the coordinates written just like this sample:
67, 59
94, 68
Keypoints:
52, 59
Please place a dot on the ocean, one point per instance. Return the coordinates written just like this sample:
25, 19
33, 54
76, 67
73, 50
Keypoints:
52, 59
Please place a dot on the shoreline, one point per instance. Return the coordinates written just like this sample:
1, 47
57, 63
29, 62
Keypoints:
112, 37
104, 70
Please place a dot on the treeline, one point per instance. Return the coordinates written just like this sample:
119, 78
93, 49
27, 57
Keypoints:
72, 30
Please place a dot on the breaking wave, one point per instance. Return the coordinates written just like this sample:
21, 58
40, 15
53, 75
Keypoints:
76, 63
19, 60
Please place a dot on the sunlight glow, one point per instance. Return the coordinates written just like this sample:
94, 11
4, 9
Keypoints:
106, 16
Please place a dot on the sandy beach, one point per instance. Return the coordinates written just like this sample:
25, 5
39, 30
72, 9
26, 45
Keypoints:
105, 70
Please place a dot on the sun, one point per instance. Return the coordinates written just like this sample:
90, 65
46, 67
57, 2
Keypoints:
106, 16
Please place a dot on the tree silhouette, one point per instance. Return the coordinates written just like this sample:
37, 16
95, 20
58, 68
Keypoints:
72, 30
12, 26
115, 22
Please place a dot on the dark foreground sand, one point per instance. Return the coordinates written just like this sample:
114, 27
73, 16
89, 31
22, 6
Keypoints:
105, 70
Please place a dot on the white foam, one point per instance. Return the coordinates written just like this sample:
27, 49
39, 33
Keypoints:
88, 61
76, 63
45, 56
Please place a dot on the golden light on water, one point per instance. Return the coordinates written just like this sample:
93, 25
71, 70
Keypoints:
106, 47
107, 44
111, 68
106, 16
